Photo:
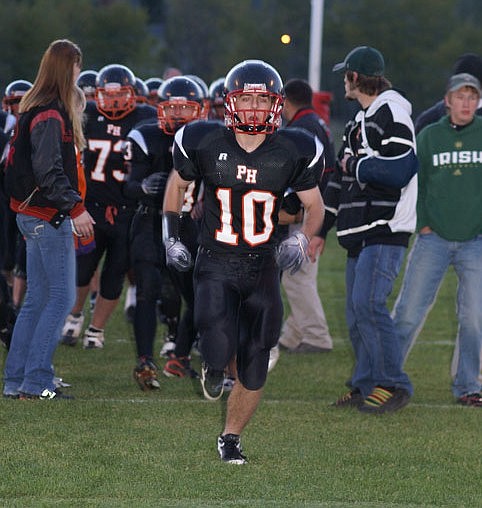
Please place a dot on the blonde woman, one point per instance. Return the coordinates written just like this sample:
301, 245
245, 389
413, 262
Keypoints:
42, 181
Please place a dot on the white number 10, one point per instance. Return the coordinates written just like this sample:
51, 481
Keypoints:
227, 234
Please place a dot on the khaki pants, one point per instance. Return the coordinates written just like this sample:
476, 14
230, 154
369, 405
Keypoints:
307, 322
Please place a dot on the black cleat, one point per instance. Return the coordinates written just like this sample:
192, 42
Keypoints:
145, 373
230, 451
212, 382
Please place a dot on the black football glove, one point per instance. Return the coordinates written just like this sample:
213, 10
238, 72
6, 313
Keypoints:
291, 252
154, 184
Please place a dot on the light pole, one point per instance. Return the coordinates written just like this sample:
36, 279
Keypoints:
316, 35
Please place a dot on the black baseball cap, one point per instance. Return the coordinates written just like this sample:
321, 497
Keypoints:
363, 59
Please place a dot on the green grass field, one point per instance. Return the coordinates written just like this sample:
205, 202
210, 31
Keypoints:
117, 446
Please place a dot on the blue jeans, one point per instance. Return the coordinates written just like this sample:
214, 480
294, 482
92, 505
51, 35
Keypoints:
378, 355
427, 264
51, 293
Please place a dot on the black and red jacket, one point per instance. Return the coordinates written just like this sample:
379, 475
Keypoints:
41, 168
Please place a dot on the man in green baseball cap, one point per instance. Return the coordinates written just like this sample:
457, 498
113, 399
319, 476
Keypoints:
371, 199
364, 60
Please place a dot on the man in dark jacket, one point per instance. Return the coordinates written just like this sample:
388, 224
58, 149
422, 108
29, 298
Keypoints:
305, 330
372, 198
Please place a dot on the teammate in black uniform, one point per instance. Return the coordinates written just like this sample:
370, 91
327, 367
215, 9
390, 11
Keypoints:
86, 82
149, 153
153, 84
246, 169
13, 251
10, 280
108, 121
216, 99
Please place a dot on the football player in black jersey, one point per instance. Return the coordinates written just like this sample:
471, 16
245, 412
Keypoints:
12, 281
13, 243
245, 169
149, 153
216, 99
108, 121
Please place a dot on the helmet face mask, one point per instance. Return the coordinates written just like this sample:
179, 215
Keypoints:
253, 98
181, 102
175, 112
115, 94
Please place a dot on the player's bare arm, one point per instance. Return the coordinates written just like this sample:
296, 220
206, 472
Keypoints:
314, 211
177, 254
174, 194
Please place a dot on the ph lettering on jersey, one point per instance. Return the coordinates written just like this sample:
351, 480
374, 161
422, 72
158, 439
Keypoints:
114, 130
246, 174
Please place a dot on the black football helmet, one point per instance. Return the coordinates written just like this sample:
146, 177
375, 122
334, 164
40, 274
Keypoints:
86, 81
253, 77
142, 92
204, 88
153, 85
14, 93
181, 101
216, 99
216, 91
115, 92
200, 82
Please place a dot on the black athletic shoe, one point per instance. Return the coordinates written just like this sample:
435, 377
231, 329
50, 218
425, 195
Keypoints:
230, 450
11, 395
179, 367
471, 399
145, 374
385, 400
212, 382
46, 395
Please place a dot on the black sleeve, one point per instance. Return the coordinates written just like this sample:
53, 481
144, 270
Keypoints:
140, 167
47, 165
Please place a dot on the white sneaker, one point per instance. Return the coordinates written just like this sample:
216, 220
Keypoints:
273, 357
93, 339
167, 348
71, 330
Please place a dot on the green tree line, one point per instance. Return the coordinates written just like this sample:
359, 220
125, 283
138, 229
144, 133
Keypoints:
420, 40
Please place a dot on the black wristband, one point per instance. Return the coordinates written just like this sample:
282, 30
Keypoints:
170, 226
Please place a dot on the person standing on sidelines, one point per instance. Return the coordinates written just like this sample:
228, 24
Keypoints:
372, 198
449, 224
246, 169
469, 63
306, 330
42, 180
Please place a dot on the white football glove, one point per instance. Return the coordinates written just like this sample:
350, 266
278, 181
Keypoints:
177, 255
291, 252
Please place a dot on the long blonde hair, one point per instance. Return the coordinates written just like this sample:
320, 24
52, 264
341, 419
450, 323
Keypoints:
55, 81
